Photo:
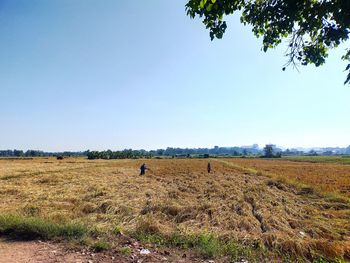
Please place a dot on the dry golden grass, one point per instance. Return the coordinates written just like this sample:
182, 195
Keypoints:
178, 195
328, 177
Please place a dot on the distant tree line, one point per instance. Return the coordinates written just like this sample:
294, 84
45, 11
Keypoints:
37, 153
174, 152
269, 151
125, 154
230, 151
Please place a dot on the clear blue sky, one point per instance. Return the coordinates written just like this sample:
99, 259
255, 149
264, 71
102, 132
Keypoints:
88, 74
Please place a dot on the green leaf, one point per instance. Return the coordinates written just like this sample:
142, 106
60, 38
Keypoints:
209, 7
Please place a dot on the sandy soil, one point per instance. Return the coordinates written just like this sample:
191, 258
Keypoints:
47, 252
36, 251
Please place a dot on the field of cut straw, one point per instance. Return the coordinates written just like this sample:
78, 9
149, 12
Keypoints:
323, 174
243, 209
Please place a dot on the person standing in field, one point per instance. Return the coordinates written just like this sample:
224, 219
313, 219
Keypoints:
209, 167
143, 169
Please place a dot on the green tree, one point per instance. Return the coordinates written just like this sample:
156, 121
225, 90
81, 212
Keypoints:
18, 153
313, 27
268, 151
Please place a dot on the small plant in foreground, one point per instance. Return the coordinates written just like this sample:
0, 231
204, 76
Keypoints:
117, 230
101, 245
208, 245
125, 251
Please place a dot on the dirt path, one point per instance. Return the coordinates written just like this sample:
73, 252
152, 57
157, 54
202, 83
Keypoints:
36, 251
46, 252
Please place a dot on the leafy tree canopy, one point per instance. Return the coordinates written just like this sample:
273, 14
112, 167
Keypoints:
313, 27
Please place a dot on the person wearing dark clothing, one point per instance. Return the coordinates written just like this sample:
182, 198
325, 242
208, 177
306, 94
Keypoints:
209, 167
143, 169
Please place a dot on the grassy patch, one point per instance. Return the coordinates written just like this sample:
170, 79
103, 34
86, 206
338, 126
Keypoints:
125, 251
209, 246
29, 228
101, 245
118, 230
205, 244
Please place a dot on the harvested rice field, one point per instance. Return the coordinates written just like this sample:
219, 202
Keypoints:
252, 209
